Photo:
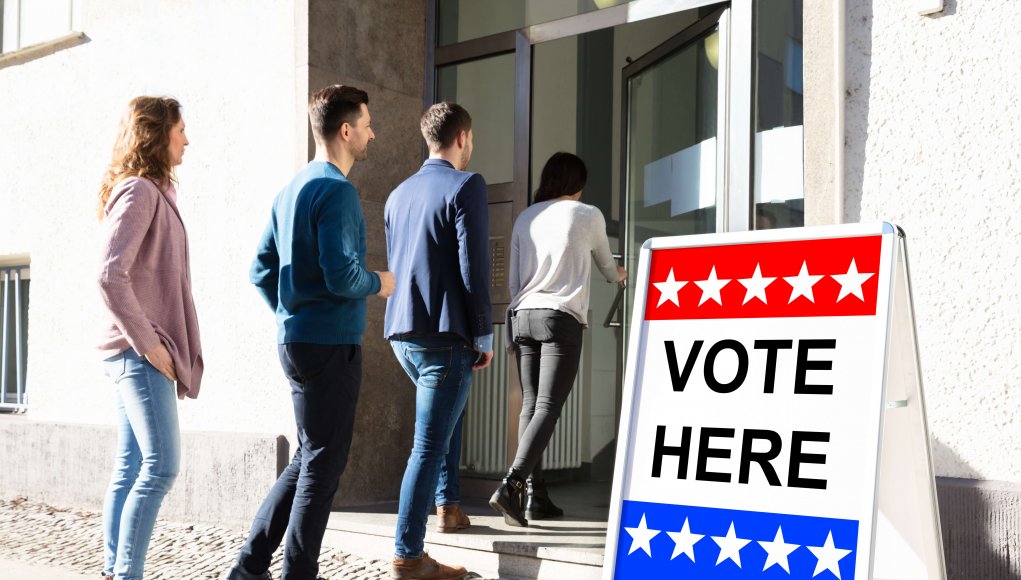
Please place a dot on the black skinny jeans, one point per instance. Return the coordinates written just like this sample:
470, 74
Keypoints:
548, 348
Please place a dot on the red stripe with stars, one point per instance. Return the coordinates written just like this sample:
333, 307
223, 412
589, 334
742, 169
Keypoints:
818, 274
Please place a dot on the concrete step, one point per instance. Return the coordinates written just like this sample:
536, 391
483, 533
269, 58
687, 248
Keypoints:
548, 549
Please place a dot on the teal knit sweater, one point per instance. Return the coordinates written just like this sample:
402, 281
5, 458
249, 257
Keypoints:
310, 266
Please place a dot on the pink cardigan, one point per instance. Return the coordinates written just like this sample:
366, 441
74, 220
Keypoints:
145, 280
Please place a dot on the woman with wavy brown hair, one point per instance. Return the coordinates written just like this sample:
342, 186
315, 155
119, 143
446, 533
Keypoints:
150, 343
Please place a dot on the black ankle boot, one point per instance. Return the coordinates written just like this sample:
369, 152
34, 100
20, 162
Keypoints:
508, 499
538, 505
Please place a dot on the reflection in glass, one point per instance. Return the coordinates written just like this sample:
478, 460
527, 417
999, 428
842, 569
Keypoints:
779, 116
486, 88
672, 129
461, 20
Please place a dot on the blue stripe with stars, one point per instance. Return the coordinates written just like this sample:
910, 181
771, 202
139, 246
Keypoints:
723, 543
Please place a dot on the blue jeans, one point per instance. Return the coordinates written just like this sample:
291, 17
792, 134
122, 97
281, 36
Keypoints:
325, 383
146, 463
440, 366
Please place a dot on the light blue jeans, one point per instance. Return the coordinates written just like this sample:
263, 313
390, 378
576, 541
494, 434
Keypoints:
145, 465
441, 367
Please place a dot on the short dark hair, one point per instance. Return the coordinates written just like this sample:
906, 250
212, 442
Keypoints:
442, 123
330, 107
563, 174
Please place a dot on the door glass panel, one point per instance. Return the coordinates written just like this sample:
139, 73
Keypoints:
672, 151
779, 116
485, 87
572, 103
461, 20
576, 107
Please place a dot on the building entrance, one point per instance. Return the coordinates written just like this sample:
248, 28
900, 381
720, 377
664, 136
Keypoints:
662, 101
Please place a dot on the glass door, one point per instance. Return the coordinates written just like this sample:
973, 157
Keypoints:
673, 127
673, 153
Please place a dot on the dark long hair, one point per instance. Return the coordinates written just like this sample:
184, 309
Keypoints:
564, 174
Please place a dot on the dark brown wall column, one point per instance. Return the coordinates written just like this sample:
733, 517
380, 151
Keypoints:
379, 47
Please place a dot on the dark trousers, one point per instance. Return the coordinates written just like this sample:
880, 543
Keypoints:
547, 344
325, 381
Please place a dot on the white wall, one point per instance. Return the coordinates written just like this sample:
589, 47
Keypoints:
231, 64
934, 144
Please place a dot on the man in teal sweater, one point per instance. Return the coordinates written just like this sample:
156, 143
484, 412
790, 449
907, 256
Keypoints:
310, 269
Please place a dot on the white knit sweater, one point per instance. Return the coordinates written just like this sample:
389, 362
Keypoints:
553, 246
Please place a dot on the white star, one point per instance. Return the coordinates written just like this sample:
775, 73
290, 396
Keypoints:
829, 557
778, 551
668, 289
640, 537
684, 541
801, 285
755, 286
851, 282
711, 288
730, 546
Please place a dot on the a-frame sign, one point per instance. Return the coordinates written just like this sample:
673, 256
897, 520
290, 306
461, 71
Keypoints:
773, 424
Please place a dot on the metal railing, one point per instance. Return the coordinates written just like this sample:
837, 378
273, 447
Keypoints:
14, 282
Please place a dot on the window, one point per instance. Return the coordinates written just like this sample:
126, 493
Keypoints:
15, 278
779, 116
485, 87
29, 22
461, 20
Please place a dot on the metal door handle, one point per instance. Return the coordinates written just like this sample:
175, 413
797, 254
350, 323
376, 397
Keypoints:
609, 322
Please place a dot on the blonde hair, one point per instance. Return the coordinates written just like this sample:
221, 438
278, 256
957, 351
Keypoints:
142, 145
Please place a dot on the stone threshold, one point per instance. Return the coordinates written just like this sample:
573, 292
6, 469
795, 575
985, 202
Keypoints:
548, 549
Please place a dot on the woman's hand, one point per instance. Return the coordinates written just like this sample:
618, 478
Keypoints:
621, 275
159, 358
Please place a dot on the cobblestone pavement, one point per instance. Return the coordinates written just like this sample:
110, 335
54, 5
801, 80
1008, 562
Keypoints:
72, 539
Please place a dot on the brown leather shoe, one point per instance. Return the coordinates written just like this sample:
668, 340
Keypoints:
451, 519
424, 568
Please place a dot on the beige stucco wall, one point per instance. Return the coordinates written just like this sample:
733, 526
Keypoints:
932, 145
231, 63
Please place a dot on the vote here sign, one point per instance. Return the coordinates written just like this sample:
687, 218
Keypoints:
753, 399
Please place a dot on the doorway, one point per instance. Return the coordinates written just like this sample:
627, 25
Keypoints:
647, 83
681, 110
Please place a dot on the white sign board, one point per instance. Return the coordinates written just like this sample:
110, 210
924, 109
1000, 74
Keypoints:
751, 428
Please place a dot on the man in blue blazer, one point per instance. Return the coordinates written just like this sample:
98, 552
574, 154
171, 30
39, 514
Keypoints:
439, 323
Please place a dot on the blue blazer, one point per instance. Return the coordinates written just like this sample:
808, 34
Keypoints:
437, 245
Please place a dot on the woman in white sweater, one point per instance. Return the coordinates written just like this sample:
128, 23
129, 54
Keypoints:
553, 245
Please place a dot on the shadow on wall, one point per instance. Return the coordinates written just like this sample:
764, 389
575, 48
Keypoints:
979, 522
949, 9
